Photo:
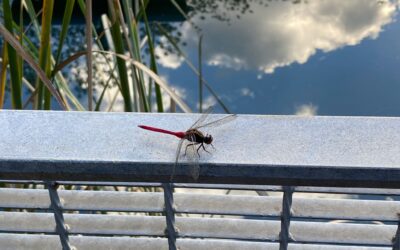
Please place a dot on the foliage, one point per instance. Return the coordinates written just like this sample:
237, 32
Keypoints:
48, 89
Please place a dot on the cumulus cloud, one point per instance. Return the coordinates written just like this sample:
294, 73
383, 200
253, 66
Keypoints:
209, 101
306, 110
167, 60
166, 99
284, 33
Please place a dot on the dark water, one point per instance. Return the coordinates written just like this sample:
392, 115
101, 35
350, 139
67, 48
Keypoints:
276, 57
287, 57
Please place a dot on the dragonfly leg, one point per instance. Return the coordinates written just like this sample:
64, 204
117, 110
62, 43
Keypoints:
190, 144
202, 146
205, 148
199, 149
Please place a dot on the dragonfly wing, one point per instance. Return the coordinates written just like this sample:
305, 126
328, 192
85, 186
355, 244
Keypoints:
178, 152
202, 118
193, 157
218, 122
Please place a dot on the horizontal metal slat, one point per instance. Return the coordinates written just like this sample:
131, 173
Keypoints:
52, 242
83, 223
344, 233
228, 204
83, 200
142, 202
139, 225
312, 232
333, 247
347, 209
303, 189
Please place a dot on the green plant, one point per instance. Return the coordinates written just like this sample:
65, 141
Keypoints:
138, 84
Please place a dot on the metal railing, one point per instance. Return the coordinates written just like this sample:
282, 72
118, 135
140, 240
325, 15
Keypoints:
324, 155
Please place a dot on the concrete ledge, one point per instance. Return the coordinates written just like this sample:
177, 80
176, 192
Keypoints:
253, 149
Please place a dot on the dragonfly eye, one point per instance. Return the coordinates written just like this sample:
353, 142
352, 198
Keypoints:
208, 139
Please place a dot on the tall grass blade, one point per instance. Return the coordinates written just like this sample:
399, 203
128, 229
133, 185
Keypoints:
21, 32
11, 40
183, 13
119, 49
44, 100
47, 94
3, 75
153, 64
98, 103
96, 36
150, 91
200, 77
67, 61
172, 108
15, 74
89, 60
139, 79
164, 86
65, 89
134, 46
154, 77
69, 6
32, 15
59, 79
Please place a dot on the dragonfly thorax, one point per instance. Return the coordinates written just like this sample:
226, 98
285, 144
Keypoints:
197, 136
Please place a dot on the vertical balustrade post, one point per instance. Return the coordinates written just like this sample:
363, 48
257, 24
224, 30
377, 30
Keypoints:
170, 214
284, 236
396, 238
56, 206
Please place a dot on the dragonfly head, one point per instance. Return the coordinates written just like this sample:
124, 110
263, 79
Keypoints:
208, 139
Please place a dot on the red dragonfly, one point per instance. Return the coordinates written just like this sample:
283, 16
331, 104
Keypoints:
195, 138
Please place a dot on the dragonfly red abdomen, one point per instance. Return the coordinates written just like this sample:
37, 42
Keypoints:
159, 130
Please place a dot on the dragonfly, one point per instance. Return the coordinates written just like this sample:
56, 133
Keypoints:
195, 138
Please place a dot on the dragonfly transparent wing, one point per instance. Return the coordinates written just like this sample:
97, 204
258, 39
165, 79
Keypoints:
178, 153
192, 157
190, 154
202, 118
217, 122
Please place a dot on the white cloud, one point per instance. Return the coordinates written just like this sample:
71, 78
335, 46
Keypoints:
306, 110
166, 99
227, 61
167, 60
209, 101
284, 33
247, 92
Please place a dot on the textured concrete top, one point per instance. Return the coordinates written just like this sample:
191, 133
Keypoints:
252, 149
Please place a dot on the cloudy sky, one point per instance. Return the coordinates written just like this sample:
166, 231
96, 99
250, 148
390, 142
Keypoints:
324, 57
284, 33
